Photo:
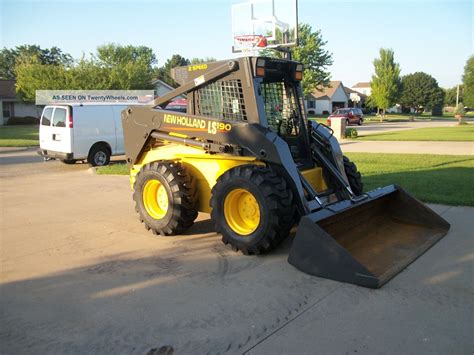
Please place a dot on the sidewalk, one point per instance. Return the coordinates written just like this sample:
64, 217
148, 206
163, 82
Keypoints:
415, 147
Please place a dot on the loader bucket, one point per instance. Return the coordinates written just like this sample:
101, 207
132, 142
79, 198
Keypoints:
369, 242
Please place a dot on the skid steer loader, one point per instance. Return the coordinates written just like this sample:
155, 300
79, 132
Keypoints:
246, 153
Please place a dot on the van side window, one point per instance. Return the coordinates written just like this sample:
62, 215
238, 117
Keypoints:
59, 118
46, 119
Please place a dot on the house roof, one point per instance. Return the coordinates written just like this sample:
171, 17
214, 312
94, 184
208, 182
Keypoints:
349, 91
7, 89
362, 84
326, 93
161, 82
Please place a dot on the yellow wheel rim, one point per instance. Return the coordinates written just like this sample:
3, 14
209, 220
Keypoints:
242, 211
155, 199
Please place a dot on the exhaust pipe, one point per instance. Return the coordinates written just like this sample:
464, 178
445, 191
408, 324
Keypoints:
368, 242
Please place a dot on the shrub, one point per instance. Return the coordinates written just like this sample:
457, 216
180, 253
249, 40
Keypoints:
351, 133
28, 120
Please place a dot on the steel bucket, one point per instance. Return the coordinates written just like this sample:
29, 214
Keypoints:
369, 242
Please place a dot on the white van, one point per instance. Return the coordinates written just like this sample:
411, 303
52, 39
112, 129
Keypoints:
83, 132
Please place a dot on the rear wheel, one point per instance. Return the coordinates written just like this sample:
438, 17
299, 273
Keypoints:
347, 122
353, 176
99, 155
252, 208
165, 198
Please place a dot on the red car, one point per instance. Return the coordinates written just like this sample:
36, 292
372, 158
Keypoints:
352, 116
178, 105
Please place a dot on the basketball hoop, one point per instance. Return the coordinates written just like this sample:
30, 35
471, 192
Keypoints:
250, 42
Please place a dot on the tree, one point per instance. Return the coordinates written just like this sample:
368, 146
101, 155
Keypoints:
112, 68
203, 60
116, 55
10, 58
421, 92
164, 73
450, 95
385, 82
468, 81
311, 52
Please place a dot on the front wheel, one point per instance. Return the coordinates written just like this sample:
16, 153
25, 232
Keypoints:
252, 207
353, 176
165, 197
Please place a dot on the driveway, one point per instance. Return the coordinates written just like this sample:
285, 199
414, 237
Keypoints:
21, 161
79, 274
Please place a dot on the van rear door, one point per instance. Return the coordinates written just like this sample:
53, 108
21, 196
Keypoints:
45, 128
61, 130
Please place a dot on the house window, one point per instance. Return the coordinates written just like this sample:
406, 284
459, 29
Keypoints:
7, 109
311, 104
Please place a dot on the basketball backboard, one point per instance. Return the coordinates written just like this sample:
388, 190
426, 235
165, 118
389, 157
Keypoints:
260, 24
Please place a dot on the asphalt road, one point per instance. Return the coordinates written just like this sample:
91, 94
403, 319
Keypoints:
79, 274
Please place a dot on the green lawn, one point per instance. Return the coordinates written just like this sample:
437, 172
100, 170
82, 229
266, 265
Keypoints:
452, 134
113, 169
445, 179
19, 136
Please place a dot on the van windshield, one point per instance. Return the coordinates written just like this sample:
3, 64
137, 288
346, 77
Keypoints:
46, 119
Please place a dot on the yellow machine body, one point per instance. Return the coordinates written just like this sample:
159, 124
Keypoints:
206, 168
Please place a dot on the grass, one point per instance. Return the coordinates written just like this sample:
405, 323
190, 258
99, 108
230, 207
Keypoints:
447, 134
445, 179
113, 169
19, 136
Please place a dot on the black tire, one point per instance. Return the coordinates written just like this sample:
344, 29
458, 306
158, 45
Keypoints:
99, 155
347, 123
360, 121
181, 192
354, 177
69, 161
275, 201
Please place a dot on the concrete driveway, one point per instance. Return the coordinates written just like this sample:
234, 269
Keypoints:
79, 274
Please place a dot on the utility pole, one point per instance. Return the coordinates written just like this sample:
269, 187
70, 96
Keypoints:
457, 96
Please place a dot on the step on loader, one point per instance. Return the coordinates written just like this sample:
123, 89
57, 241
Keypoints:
246, 153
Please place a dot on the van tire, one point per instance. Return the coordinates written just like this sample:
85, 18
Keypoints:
99, 155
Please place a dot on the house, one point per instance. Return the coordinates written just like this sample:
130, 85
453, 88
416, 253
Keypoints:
356, 99
325, 100
11, 106
362, 88
365, 89
161, 87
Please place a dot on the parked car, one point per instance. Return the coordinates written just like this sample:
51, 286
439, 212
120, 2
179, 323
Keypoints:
352, 116
179, 105
81, 132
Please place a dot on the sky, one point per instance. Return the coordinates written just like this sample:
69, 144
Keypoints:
431, 36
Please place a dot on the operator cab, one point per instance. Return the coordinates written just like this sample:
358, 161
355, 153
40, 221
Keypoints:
278, 83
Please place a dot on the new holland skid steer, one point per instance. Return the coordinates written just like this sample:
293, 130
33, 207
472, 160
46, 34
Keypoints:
246, 153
